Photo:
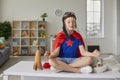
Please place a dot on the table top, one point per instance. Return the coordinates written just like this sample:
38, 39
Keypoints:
25, 68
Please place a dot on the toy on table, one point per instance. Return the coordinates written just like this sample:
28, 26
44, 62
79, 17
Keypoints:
46, 65
112, 63
38, 60
99, 66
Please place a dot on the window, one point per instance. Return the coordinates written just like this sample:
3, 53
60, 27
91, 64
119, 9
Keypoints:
95, 19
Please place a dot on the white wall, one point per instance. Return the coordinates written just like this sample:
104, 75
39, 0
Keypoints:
107, 44
0, 10
32, 10
118, 26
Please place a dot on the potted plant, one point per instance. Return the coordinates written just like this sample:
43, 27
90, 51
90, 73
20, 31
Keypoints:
43, 16
5, 29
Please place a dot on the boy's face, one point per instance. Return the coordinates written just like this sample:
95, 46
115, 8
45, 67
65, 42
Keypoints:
70, 23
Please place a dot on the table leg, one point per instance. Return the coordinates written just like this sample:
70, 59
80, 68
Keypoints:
5, 77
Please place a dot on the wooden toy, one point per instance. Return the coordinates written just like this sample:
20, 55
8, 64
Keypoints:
38, 60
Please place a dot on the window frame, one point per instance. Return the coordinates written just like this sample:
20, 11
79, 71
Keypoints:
101, 22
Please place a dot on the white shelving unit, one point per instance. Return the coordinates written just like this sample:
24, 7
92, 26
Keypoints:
27, 36
52, 39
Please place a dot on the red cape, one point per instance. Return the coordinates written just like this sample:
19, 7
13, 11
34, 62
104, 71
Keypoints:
61, 37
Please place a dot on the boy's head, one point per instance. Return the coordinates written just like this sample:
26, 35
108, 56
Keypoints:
68, 14
69, 21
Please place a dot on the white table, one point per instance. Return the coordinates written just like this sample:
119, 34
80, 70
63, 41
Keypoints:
25, 70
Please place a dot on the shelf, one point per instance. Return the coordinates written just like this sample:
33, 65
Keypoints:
27, 36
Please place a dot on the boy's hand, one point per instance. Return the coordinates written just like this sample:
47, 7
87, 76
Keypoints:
96, 53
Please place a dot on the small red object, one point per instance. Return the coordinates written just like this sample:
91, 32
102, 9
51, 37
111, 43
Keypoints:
46, 65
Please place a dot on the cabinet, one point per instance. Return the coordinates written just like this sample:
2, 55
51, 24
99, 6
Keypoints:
27, 36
